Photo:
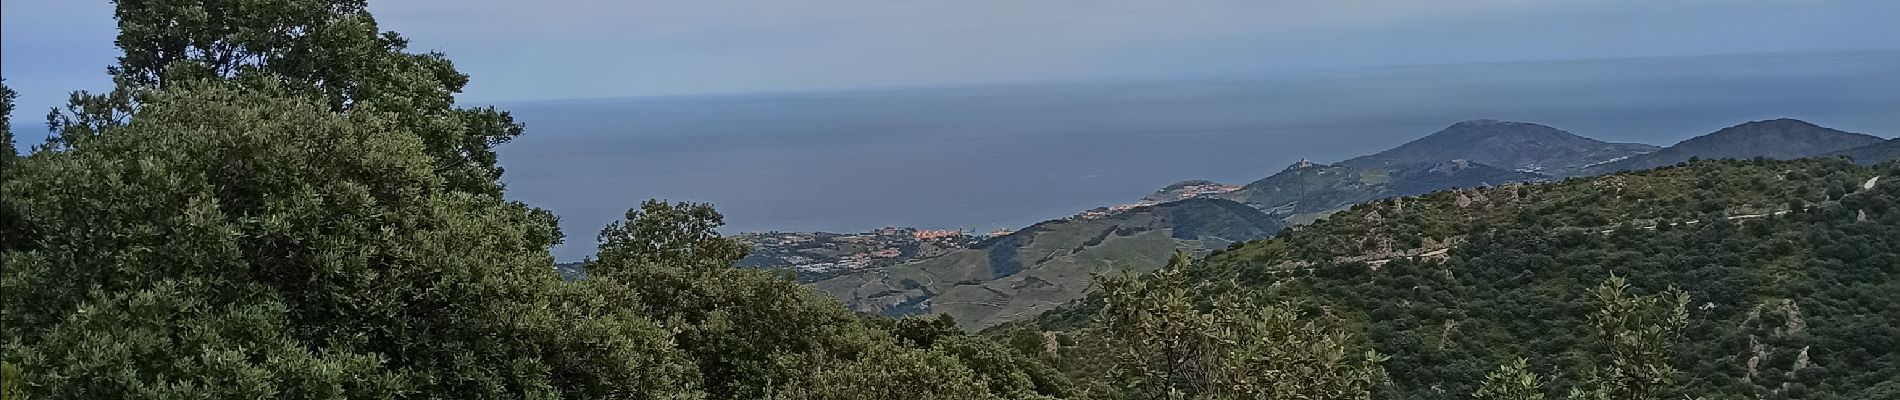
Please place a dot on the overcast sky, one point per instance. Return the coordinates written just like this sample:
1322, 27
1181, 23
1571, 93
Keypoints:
560, 49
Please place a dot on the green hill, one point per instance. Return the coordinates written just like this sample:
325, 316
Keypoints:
1778, 139
1305, 191
1504, 144
1791, 267
1872, 154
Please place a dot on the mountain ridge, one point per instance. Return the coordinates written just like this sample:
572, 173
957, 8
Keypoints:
1301, 193
1871, 154
1521, 146
1781, 138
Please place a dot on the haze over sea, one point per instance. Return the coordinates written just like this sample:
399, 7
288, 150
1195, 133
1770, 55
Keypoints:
992, 157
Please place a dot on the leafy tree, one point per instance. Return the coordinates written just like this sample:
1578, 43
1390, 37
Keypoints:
249, 242
10, 382
1512, 381
331, 49
1639, 334
658, 233
754, 334
1166, 347
12, 229
7, 151
923, 332
1006, 372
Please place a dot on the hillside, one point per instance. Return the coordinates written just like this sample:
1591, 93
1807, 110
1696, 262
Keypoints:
1018, 275
1503, 144
1871, 154
1306, 190
1791, 268
1780, 139
1059, 256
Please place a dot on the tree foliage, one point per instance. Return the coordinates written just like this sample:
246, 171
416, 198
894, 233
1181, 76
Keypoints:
1788, 264
1512, 381
332, 50
7, 151
1166, 347
277, 202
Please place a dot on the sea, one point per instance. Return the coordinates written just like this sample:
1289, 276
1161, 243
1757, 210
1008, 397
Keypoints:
983, 157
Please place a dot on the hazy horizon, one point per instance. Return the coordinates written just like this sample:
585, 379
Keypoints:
567, 49
986, 157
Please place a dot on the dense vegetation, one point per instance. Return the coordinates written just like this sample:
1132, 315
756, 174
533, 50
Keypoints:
277, 200
1779, 139
1788, 268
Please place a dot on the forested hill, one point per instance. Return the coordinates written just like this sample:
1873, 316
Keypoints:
1873, 154
1791, 269
1503, 144
1776, 138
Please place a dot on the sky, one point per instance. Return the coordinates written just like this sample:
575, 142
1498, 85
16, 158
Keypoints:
567, 49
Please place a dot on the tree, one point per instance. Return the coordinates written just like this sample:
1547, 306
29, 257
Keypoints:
681, 234
331, 49
1639, 334
922, 332
7, 151
12, 229
1512, 381
1166, 347
245, 242
757, 334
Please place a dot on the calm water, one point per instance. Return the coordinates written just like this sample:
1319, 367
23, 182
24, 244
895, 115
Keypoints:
1007, 156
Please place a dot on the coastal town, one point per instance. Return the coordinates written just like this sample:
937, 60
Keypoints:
812, 256
817, 255
1176, 192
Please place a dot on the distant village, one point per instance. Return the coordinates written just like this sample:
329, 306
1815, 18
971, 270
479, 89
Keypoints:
817, 255
812, 256
1175, 192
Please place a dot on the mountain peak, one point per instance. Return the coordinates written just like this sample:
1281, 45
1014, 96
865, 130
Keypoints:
1483, 122
1783, 131
1769, 126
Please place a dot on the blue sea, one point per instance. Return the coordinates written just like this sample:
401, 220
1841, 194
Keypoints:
1004, 156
